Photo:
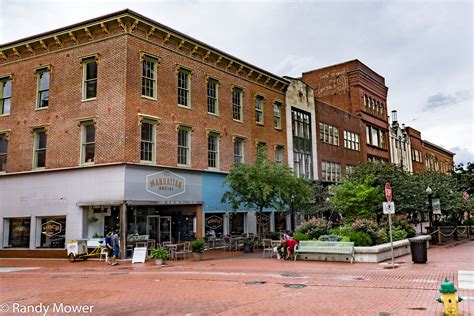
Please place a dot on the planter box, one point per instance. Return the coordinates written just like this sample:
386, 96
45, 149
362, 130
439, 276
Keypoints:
382, 252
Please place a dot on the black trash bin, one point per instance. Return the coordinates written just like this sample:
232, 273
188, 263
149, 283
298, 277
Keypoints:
419, 250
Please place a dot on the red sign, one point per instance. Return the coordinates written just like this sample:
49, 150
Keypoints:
388, 192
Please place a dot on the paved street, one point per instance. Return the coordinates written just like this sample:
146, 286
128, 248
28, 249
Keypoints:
224, 284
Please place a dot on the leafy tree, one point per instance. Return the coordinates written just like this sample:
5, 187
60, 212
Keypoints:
265, 185
357, 199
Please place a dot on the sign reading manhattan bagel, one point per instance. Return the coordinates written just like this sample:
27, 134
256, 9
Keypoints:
165, 184
214, 222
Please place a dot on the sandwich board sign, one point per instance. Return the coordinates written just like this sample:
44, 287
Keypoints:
139, 254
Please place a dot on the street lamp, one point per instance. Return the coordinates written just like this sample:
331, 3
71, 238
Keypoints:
430, 206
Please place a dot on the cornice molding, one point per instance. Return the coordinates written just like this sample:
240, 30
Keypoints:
133, 24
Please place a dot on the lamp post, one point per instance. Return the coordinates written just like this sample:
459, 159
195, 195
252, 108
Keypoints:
430, 206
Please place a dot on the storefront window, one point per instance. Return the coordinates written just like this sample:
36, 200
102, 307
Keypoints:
18, 232
214, 224
264, 222
280, 221
52, 231
236, 223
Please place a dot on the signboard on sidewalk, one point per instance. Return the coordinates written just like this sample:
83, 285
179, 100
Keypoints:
388, 207
139, 254
388, 192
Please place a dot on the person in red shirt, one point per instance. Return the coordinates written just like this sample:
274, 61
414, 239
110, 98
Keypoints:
291, 244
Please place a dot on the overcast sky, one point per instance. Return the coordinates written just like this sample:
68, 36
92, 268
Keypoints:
423, 49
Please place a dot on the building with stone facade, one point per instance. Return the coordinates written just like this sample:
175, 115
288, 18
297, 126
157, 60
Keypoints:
121, 122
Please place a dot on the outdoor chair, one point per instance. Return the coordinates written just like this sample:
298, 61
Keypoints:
141, 244
267, 247
227, 242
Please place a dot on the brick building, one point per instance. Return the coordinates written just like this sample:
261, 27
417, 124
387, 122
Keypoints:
437, 158
355, 88
416, 149
123, 122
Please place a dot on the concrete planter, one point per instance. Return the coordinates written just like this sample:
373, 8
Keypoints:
382, 252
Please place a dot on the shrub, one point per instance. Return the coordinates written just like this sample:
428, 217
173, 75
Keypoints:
381, 236
300, 236
398, 233
344, 231
159, 253
330, 237
346, 238
361, 238
313, 228
469, 221
197, 245
367, 226
403, 223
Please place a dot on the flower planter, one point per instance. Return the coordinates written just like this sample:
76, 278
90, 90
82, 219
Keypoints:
197, 256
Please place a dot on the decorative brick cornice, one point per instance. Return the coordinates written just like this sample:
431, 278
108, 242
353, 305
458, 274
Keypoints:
129, 22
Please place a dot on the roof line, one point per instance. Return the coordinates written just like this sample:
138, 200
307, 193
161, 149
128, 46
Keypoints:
151, 21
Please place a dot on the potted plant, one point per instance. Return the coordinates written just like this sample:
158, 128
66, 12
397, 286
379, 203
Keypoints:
197, 248
160, 255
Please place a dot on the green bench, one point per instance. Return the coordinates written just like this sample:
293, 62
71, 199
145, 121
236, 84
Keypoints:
325, 247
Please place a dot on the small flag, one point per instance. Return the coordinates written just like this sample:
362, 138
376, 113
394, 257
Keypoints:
465, 196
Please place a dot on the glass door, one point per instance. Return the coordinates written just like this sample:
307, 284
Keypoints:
165, 228
153, 227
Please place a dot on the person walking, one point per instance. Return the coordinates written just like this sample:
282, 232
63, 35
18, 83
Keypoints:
109, 247
115, 247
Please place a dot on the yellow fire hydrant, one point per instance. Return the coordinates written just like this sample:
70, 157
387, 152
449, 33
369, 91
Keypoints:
449, 298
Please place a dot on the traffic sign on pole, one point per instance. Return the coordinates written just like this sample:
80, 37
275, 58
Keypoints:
388, 192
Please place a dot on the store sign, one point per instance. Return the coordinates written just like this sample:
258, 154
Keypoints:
51, 228
214, 222
165, 184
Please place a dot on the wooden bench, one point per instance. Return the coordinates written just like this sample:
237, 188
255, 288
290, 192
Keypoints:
325, 247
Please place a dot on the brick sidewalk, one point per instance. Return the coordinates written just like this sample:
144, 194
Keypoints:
218, 285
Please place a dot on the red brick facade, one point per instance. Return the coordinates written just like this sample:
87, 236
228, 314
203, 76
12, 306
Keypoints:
119, 104
344, 122
436, 158
353, 87
416, 149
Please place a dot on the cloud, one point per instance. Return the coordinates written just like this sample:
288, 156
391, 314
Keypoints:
440, 100
463, 154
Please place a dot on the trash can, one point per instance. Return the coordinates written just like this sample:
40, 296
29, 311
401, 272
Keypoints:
419, 250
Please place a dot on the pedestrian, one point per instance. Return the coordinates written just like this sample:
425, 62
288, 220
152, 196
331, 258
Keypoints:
109, 247
291, 244
281, 249
115, 247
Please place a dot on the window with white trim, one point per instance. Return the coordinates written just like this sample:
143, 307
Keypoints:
277, 115
351, 140
184, 141
330, 171
147, 141
89, 84
39, 160
3, 152
279, 155
238, 150
237, 104
184, 87
5, 95
328, 134
149, 74
376, 137
259, 100
87, 142
212, 96
416, 155
42, 97
213, 151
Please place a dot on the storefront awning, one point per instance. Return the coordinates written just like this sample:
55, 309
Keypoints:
136, 202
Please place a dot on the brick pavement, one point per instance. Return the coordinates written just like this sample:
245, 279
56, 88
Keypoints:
218, 285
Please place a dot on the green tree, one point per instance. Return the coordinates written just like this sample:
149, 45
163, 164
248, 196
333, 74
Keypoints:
357, 199
265, 185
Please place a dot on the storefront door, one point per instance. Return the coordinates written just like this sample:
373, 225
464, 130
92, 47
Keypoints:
165, 228
159, 227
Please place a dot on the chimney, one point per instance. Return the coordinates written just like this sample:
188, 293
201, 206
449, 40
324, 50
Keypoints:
394, 117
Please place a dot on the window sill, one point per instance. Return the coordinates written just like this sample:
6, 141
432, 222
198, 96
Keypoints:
38, 168
213, 114
184, 107
87, 164
212, 169
41, 109
88, 100
6, 114
278, 128
259, 124
238, 121
149, 98
183, 166
147, 162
